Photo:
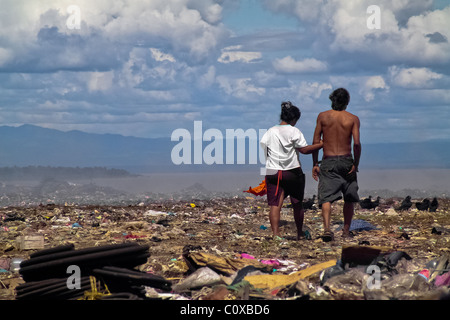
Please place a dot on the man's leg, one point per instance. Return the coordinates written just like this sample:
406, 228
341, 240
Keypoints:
274, 216
348, 215
326, 215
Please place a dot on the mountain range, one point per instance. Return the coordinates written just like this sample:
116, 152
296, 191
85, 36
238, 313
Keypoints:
30, 145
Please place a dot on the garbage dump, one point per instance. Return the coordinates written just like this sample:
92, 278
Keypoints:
221, 249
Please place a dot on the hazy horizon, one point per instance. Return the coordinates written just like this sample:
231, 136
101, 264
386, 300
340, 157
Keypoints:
434, 182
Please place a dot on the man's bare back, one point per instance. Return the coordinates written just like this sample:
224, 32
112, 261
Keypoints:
337, 129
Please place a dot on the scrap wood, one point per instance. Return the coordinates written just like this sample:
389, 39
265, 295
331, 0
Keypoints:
273, 281
362, 255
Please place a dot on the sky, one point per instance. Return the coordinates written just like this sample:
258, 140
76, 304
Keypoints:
145, 68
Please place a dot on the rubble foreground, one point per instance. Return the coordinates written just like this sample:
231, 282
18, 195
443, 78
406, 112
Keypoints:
222, 249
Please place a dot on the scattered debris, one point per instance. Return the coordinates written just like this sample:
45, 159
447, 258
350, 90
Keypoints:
220, 249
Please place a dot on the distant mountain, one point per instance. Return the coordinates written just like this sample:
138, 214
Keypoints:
429, 154
30, 145
36, 146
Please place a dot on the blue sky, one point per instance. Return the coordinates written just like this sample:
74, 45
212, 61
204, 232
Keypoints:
146, 68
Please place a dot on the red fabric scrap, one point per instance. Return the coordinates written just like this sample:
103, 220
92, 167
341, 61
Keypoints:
260, 190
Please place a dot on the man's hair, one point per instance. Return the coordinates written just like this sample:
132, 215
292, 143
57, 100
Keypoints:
339, 99
289, 112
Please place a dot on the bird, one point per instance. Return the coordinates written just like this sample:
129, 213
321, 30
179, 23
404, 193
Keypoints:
375, 203
434, 205
406, 203
366, 203
309, 204
424, 205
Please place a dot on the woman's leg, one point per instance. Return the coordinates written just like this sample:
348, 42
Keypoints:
274, 215
298, 218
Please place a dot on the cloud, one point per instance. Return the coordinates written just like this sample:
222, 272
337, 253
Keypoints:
241, 88
290, 65
412, 77
372, 84
159, 62
100, 81
5, 56
208, 78
232, 54
312, 90
188, 28
406, 26
158, 55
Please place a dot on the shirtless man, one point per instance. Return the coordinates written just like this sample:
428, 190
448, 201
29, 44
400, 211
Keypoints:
337, 172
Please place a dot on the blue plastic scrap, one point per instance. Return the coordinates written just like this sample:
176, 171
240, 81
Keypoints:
360, 225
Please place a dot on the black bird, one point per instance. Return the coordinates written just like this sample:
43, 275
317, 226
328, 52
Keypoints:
308, 204
366, 203
424, 205
369, 204
434, 205
375, 203
406, 203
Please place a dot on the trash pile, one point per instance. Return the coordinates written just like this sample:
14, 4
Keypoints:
222, 249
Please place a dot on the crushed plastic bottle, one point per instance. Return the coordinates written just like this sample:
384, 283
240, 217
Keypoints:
15, 264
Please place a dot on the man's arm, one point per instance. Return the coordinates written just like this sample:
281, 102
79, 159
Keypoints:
315, 155
356, 145
315, 147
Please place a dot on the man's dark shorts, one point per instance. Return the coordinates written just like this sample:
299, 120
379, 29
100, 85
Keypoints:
292, 182
334, 180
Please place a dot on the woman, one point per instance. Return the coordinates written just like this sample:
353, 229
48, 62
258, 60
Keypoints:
284, 175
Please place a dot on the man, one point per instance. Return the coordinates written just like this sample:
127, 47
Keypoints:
337, 172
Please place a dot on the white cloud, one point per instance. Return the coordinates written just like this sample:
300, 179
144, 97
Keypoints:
207, 79
305, 94
406, 26
233, 54
5, 56
372, 84
412, 77
290, 65
158, 55
188, 26
313, 89
241, 88
100, 81
135, 62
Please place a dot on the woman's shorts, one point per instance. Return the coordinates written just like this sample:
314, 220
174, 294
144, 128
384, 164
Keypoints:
292, 182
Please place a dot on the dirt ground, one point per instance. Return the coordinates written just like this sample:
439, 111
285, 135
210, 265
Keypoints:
222, 227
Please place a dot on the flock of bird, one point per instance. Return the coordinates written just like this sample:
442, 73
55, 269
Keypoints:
406, 204
425, 205
368, 203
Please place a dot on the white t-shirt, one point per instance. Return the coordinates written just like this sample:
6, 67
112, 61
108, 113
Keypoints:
279, 144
